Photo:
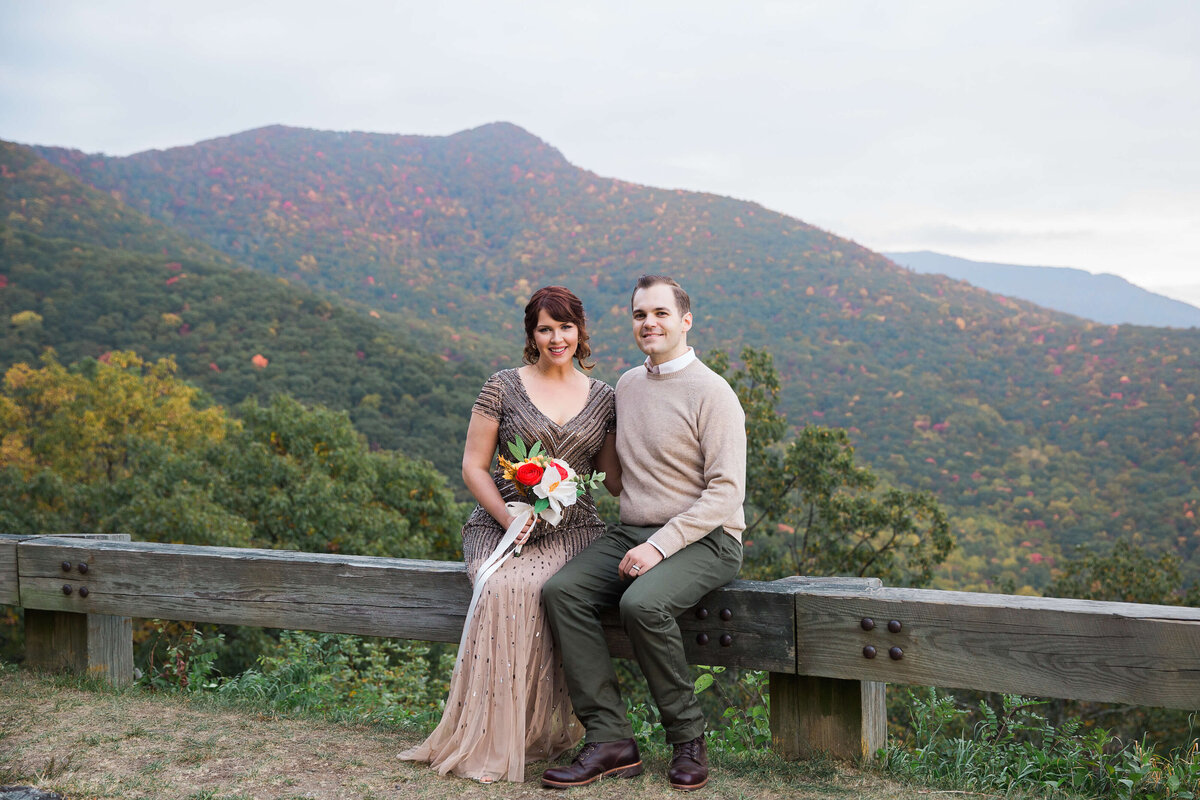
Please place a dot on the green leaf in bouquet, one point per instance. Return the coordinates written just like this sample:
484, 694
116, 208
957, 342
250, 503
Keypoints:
541, 504
535, 450
590, 482
517, 448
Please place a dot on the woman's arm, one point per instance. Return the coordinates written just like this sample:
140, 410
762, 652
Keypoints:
608, 463
483, 435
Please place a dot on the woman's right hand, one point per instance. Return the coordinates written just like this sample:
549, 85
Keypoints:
523, 536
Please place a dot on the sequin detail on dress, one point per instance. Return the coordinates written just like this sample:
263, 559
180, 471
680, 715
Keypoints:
508, 684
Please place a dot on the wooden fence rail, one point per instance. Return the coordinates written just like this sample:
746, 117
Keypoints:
829, 644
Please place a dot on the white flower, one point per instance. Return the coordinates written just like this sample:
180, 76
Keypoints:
560, 491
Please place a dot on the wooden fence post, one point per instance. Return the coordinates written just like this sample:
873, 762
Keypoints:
842, 718
94, 644
838, 717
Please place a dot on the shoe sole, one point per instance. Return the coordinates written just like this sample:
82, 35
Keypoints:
690, 787
627, 771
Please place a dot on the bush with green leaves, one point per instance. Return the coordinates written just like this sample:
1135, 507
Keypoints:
735, 700
744, 703
338, 675
1015, 749
188, 660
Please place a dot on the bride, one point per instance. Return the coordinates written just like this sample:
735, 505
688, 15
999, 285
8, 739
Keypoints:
508, 699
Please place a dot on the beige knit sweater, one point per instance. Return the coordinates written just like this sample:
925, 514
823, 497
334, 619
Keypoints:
681, 438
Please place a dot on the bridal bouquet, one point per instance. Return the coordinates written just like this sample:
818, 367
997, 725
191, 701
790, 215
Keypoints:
553, 482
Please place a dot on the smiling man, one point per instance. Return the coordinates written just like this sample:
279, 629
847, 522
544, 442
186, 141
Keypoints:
681, 439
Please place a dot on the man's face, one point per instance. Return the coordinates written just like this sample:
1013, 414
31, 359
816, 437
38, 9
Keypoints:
658, 327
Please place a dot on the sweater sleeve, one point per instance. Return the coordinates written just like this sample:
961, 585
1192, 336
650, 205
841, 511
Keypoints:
722, 434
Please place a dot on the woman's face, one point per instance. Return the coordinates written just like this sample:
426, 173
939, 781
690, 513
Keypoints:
556, 341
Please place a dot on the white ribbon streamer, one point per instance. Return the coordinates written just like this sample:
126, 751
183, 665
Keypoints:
522, 512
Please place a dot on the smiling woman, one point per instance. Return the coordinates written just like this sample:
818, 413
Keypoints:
554, 324
508, 700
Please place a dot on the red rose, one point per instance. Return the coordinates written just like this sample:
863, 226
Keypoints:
529, 473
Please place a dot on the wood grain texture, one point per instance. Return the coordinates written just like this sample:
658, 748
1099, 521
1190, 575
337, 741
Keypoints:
95, 644
110, 648
9, 585
76, 640
1117, 652
240, 586
1111, 652
399, 598
843, 718
55, 640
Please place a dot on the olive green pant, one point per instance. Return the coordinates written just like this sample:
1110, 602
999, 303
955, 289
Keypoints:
588, 583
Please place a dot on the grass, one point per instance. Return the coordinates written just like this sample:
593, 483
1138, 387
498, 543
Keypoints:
1014, 750
86, 740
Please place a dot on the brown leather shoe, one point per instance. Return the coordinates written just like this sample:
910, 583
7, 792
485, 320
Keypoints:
689, 765
596, 760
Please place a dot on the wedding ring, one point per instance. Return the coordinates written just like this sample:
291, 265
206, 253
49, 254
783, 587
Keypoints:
636, 568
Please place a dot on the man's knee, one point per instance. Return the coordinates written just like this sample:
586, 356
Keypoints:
554, 591
641, 608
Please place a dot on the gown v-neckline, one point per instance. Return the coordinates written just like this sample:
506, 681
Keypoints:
586, 402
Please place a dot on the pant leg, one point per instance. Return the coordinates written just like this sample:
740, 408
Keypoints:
649, 607
574, 597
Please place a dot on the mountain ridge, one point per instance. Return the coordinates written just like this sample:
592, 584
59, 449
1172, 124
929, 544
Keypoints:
1016, 415
234, 332
1104, 298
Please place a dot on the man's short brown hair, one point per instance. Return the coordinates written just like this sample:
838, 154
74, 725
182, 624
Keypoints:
682, 300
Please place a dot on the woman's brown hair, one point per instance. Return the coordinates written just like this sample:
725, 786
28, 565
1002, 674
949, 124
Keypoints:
563, 306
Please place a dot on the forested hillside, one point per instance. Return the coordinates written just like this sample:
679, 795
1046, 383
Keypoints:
1037, 430
112, 279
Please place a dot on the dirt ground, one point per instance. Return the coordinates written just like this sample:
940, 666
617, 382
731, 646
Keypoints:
91, 742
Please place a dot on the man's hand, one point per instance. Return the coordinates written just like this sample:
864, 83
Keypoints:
638, 561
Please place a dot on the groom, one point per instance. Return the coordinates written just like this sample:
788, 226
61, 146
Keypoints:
681, 438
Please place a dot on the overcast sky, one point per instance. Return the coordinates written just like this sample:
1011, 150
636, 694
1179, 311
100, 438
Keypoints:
1045, 133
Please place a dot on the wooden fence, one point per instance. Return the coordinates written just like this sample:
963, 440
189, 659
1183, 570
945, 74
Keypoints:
830, 644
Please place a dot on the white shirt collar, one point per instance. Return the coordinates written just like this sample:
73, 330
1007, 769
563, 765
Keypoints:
674, 365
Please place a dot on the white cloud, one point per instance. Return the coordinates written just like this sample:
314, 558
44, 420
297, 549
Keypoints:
1061, 134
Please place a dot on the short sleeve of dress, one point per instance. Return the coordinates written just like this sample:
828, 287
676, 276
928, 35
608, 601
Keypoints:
491, 399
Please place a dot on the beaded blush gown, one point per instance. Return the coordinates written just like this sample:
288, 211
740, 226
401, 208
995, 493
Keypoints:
508, 700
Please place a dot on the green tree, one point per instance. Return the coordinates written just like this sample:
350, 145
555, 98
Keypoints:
305, 479
121, 445
811, 510
110, 445
80, 422
1126, 573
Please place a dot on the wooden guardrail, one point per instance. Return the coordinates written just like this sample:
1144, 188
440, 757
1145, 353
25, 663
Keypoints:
829, 644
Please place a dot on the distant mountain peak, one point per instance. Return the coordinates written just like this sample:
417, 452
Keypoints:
500, 129
507, 136
503, 139
1102, 298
